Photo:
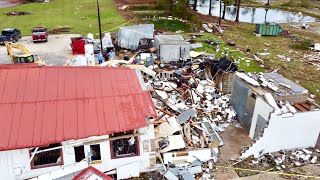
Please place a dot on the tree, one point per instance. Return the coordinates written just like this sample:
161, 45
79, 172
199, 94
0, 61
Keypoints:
238, 10
210, 7
195, 5
224, 9
226, 3
268, 3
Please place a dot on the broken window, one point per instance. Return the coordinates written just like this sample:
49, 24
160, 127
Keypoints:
95, 152
48, 158
124, 147
79, 153
253, 95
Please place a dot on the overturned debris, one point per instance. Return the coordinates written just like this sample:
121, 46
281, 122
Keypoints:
17, 13
60, 30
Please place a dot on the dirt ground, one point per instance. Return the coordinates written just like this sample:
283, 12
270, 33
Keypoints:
234, 139
309, 170
54, 52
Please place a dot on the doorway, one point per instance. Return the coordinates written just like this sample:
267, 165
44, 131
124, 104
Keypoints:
318, 142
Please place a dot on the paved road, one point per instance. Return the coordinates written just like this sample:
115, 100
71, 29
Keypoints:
55, 52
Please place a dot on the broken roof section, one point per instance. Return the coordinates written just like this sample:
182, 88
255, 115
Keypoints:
130, 36
44, 105
279, 86
171, 39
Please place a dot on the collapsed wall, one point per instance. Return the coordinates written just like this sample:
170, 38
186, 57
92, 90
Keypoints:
300, 130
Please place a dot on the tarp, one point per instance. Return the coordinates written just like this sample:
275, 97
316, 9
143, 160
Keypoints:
107, 41
129, 36
195, 54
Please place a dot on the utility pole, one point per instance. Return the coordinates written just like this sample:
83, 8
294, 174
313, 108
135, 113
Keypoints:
220, 12
100, 34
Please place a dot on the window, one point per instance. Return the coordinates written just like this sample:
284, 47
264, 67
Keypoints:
253, 95
48, 158
95, 152
125, 147
79, 153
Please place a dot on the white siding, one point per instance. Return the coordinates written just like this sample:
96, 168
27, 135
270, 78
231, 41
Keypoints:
261, 108
13, 162
298, 131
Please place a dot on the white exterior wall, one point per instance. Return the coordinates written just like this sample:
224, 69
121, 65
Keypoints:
12, 162
263, 109
301, 130
172, 52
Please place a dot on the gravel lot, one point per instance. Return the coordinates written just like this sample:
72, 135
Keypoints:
54, 52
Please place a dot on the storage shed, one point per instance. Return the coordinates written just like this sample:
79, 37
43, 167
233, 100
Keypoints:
172, 48
269, 29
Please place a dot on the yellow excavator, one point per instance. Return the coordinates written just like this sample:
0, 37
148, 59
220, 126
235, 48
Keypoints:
24, 56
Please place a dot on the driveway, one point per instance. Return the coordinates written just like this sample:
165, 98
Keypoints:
54, 52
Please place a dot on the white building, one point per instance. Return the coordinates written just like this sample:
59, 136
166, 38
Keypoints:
56, 121
171, 48
76, 155
275, 112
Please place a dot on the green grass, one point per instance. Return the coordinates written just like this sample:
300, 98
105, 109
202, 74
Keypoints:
171, 25
232, 53
80, 15
306, 75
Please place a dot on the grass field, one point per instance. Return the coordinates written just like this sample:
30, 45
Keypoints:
80, 15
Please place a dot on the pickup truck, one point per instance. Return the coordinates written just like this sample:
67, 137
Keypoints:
39, 34
10, 35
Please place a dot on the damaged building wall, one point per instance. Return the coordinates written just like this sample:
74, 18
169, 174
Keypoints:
130, 36
300, 130
12, 162
243, 103
169, 53
260, 118
171, 47
224, 81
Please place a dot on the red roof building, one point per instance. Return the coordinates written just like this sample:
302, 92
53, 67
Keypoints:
45, 105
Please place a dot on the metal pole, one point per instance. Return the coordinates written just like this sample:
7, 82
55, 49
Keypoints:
100, 34
25, 168
220, 13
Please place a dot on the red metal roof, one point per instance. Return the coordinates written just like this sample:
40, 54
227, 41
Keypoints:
43, 105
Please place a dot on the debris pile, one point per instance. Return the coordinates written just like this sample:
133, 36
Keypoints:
192, 113
313, 59
60, 30
17, 13
289, 159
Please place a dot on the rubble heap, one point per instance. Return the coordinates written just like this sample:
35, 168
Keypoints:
289, 159
192, 113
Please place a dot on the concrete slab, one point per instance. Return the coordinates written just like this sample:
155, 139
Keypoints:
54, 52
234, 139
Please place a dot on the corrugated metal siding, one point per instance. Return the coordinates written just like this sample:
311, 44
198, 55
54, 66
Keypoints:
240, 101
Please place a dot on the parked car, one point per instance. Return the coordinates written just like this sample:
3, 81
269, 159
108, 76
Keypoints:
10, 35
39, 34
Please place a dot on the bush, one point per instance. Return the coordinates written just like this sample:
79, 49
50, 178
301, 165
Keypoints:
302, 44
